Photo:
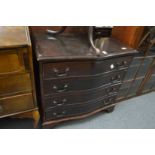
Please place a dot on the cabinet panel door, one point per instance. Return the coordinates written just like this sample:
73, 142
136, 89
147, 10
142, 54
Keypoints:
13, 61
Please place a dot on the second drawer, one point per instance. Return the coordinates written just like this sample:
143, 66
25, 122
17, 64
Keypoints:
81, 83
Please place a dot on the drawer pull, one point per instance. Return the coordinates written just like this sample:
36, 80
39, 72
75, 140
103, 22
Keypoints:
113, 89
59, 90
59, 74
58, 115
59, 104
112, 66
109, 99
117, 77
1, 108
121, 64
124, 62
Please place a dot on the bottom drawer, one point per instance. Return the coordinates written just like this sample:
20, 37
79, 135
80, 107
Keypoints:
15, 104
78, 109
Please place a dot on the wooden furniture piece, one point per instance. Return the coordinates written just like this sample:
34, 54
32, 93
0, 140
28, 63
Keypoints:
17, 90
129, 35
137, 73
140, 77
73, 82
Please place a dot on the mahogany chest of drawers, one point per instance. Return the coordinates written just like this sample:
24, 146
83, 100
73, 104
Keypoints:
17, 91
73, 82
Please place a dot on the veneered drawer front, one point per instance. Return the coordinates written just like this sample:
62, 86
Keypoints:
15, 84
80, 97
16, 104
79, 109
81, 83
13, 61
66, 69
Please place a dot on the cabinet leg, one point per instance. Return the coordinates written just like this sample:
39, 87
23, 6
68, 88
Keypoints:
36, 118
50, 126
32, 114
111, 109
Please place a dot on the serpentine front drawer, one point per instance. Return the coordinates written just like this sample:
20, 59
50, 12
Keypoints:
78, 109
81, 83
67, 69
78, 97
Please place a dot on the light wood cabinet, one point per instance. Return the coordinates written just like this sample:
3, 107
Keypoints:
17, 88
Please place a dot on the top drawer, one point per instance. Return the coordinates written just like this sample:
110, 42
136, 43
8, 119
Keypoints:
66, 69
13, 61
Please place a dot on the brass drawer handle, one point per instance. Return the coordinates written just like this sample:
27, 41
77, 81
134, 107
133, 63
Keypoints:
112, 89
117, 77
124, 62
59, 90
55, 103
109, 99
59, 74
112, 66
58, 115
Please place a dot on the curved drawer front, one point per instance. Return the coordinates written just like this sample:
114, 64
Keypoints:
67, 69
81, 83
79, 109
15, 84
76, 98
16, 104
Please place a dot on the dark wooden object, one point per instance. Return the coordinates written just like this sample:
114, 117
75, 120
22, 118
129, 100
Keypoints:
140, 77
17, 89
129, 35
73, 82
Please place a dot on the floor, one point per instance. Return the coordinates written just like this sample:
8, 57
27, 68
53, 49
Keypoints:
135, 113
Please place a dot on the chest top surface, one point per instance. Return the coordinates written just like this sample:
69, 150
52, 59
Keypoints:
13, 36
71, 47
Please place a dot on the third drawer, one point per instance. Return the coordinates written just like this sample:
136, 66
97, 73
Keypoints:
78, 97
